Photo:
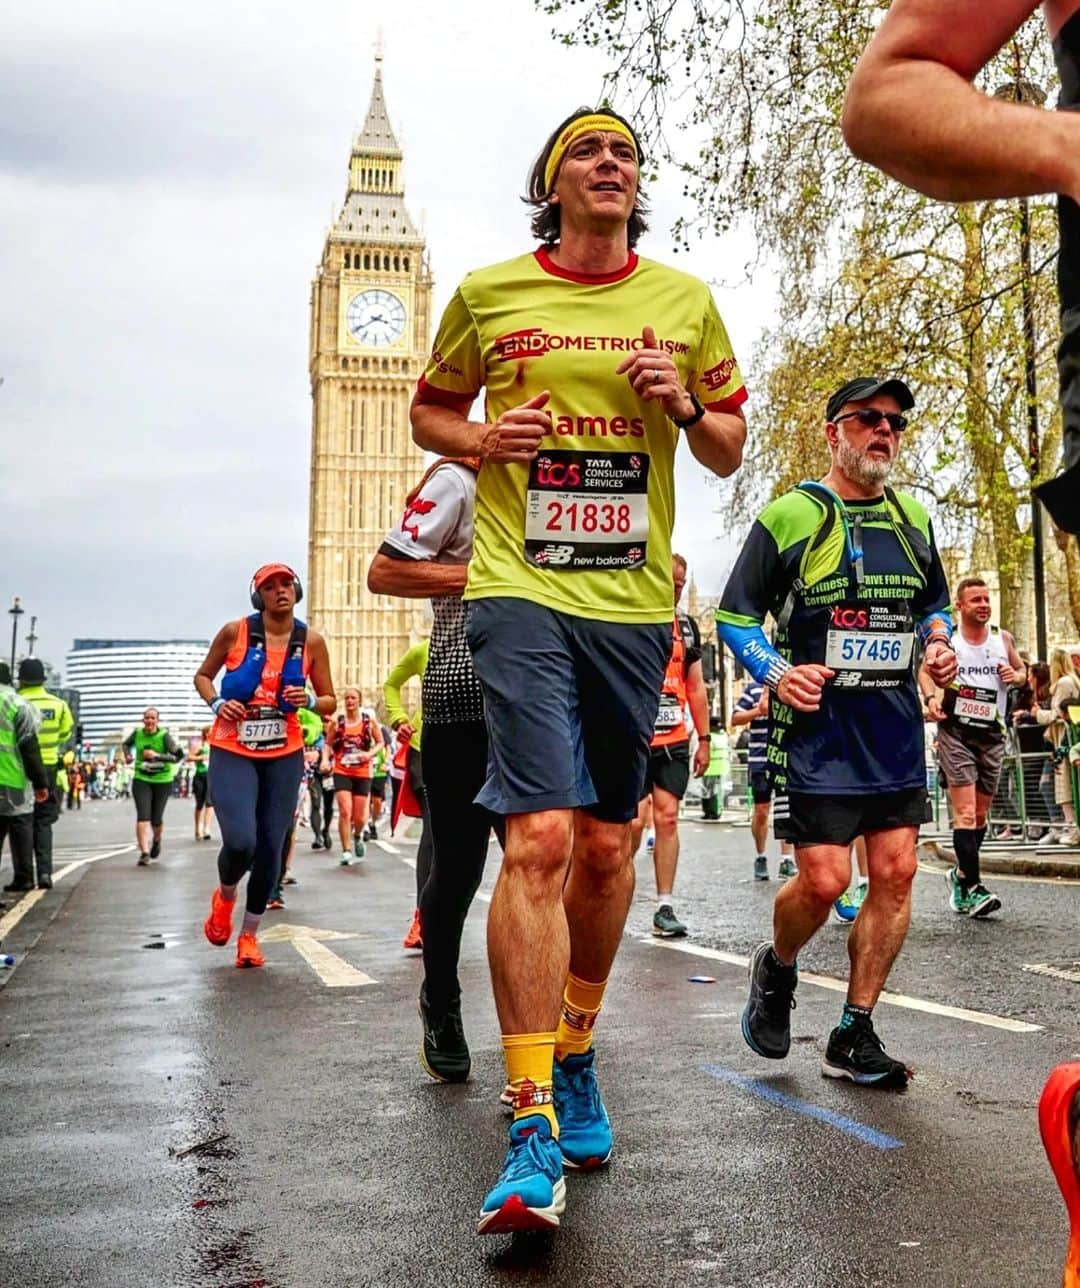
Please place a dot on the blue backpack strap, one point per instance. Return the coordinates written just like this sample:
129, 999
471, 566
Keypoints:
292, 673
240, 683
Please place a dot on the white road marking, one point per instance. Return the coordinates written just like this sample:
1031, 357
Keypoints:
388, 846
11, 919
333, 970
840, 986
993, 877
1055, 972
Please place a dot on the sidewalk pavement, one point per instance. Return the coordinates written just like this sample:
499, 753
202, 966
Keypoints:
1032, 859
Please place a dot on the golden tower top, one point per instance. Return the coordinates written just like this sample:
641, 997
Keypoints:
374, 208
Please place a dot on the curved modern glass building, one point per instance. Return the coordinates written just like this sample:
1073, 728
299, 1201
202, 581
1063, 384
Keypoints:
118, 679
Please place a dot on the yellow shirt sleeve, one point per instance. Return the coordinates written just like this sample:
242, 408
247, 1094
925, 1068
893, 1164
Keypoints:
718, 383
456, 365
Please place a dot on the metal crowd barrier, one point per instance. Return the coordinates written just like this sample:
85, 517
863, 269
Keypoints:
1023, 810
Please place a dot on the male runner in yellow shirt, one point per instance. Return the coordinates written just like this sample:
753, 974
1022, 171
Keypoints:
592, 362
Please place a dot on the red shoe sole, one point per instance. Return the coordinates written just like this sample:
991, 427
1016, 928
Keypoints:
515, 1218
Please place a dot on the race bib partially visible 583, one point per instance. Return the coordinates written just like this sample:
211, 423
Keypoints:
586, 510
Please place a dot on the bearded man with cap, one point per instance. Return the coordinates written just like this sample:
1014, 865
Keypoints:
593, 362
268, 657
54, 732
849, 571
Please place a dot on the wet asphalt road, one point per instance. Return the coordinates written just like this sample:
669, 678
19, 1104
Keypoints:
340, 1163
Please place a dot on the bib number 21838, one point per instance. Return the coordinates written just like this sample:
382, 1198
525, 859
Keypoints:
587, 510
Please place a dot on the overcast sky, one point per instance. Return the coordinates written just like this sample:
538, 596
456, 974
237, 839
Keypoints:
168, 173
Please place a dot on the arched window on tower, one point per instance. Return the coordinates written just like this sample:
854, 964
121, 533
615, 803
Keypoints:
367, 261
405, 261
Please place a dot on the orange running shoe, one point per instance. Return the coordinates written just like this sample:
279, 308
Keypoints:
248, 952
218, 926
414, 939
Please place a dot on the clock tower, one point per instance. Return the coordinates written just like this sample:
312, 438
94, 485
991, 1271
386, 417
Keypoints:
370, 325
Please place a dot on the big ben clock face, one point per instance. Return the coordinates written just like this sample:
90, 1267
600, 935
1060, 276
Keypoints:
376, 318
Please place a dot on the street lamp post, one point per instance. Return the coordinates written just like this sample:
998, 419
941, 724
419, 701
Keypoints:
31, 637
16, 611
1025, 91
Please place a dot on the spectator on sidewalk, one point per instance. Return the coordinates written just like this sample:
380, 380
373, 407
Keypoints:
23, 781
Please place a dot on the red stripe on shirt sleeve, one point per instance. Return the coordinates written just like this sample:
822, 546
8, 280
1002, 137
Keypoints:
731, 403
426, 393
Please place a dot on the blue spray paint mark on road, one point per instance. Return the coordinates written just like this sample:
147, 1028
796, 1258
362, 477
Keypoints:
764, 1091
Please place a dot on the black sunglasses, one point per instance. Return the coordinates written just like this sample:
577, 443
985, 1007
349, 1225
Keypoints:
870, 417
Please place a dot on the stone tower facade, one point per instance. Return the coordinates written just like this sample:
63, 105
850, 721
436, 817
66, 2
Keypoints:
370, 335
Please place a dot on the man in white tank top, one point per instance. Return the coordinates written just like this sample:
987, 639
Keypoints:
971, 736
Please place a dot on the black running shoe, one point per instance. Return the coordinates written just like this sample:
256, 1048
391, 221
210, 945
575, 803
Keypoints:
766, 1021
317, 843
856, 1053
445, 1053
155, 849
143, 861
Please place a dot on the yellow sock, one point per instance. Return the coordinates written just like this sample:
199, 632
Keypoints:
528, 1070
580, 1007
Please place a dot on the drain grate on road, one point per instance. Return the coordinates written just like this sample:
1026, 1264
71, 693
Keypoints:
1067, 970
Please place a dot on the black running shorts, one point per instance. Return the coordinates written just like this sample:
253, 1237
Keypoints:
837, 820
669, 769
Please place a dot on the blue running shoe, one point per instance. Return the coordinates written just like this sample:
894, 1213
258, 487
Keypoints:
531, 1193
584, 1129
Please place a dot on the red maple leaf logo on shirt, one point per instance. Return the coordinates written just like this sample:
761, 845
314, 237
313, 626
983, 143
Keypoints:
419, 506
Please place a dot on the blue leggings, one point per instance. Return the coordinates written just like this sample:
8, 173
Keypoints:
255, 801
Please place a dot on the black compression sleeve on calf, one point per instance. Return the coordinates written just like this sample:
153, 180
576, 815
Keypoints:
966, 845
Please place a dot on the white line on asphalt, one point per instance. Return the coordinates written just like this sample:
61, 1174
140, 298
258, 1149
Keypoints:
388, 846
11, 919
330, 968
992, 877
840, 986
1055, 972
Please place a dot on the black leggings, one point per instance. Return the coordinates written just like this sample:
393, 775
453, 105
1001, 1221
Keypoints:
150, 801
255, 800
426, 848
322, 807
455, 767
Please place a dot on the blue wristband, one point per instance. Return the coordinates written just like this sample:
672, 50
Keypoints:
216, 705
311, 701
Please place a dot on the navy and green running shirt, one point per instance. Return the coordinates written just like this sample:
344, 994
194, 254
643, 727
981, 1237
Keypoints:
867, 735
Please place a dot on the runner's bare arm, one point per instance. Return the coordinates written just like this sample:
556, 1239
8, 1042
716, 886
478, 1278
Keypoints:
415, 578
717, 439
211, 665
697, 697
514, 437
912, 111
1016, 672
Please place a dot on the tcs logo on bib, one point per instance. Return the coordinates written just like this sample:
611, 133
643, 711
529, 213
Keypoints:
557, 473
849, 618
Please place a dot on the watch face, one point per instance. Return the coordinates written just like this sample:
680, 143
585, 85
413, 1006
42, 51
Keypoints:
376, 317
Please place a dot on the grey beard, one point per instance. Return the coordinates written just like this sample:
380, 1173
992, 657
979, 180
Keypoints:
861, 469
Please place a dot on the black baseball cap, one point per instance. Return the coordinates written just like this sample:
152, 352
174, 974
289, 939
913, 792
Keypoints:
866, 387
31, 671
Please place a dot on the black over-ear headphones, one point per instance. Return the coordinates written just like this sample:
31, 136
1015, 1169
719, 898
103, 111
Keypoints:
255, 595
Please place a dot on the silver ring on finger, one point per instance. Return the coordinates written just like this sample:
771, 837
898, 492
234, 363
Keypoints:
655, 376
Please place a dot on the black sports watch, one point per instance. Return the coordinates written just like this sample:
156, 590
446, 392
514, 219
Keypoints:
692, 420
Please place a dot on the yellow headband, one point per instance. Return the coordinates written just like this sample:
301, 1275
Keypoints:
583, 125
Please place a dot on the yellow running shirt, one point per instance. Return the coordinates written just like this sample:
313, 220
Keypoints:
586, 528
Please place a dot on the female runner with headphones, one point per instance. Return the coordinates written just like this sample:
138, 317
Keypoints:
258, 757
